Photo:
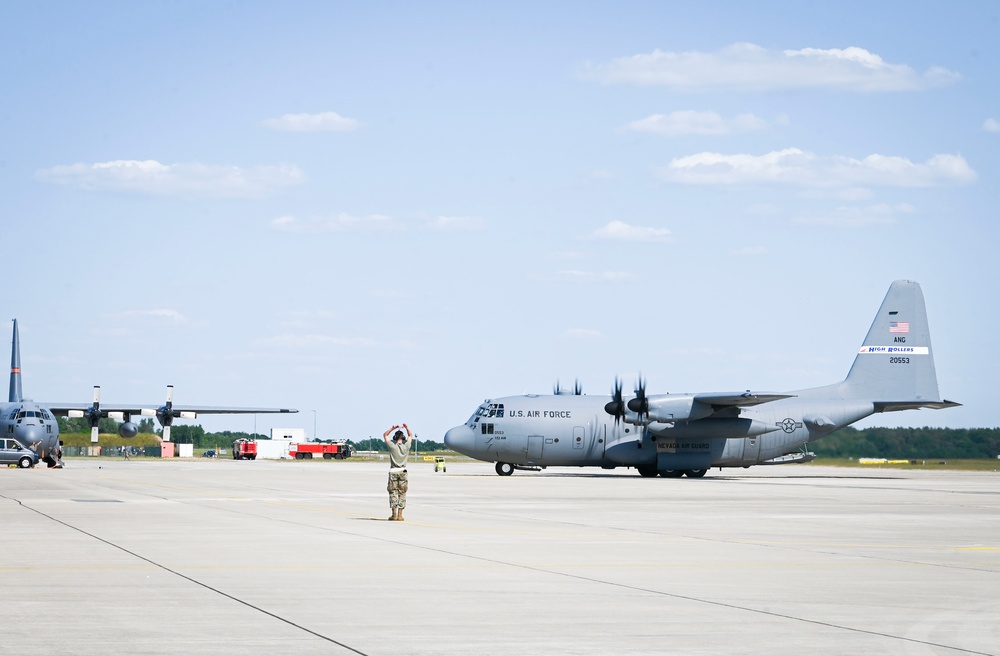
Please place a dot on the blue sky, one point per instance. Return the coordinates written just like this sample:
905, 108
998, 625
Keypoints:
387, 212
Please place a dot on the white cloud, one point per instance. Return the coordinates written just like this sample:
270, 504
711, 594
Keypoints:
687, 122
748, 67
792, 166
339, 223
583, 334
853, 217
171, 315
184, 180
991, 125
456, 224
129, 323
621, 231
322, 122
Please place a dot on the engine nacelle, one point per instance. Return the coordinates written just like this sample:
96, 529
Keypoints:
707, 429
671, 407
128, 429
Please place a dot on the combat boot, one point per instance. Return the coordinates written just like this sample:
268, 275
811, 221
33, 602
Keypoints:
399, 515
395, 515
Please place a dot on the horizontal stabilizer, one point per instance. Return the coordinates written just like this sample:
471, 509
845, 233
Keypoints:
892, 406
790, 458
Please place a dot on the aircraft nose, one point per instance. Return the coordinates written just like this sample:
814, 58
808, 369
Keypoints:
28, 435
461, 439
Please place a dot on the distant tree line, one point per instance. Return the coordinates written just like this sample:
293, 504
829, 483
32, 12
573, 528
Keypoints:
378, 444
196, 435
909, 443
106, 425
847, 442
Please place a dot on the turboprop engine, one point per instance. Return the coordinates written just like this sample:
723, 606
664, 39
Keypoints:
661, 408
127, 428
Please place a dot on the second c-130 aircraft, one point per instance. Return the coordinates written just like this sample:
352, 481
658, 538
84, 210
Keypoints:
33, 426
674, 435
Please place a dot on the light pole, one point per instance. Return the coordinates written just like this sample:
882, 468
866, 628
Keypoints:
314, 426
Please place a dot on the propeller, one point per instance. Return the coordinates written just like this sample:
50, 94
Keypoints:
577, 388
165, 413
94, 414
640, 404
616, 407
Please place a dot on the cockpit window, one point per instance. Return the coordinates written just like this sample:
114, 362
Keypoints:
486, 411
492, 410
21, 413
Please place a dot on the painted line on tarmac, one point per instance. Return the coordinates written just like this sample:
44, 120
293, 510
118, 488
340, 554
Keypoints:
189, 579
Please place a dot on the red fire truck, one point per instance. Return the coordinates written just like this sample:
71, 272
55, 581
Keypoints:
244, 449
310, 450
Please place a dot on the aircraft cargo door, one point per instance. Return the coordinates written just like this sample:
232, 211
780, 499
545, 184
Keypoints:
513, 449
751, 449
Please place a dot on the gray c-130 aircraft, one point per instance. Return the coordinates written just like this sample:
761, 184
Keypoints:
34, 426
674, 435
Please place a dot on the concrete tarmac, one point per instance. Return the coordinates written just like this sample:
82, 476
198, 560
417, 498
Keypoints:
297, 557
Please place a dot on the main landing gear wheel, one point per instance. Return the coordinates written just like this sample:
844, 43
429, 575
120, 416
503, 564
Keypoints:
695, 473
647, 472
671, 473
504, 468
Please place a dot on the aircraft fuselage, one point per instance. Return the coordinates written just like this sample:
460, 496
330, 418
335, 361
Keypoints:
674, 434
575, 430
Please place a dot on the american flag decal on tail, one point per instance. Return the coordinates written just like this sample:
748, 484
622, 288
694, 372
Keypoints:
899, 326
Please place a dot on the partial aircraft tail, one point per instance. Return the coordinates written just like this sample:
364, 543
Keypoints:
15, 368
895, 366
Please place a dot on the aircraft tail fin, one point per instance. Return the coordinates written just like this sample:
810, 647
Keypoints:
895, 366
15, 368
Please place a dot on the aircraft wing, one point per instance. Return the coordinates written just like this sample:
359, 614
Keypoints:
740, 399
165, 414
63, 409
211, 410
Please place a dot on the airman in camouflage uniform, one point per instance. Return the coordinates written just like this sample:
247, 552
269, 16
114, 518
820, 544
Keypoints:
399, 451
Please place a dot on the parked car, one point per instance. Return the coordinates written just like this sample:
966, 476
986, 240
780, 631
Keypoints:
11, 453
210, 453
